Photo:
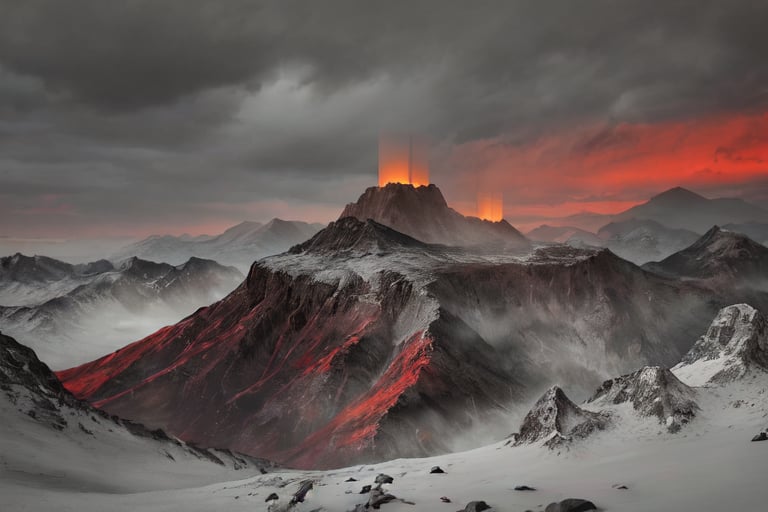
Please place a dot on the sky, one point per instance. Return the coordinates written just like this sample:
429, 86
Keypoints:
140, 117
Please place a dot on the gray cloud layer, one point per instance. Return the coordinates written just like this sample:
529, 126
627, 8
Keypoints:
175, 112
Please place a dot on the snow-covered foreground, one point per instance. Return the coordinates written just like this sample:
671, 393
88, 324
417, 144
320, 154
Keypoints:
709, 465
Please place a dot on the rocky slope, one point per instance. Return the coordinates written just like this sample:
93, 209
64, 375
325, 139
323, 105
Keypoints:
109, 306
422, 213
720, 255
33, 402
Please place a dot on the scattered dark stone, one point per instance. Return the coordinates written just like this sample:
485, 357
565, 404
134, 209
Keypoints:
351, 479
262, 471
476, 506
383, 479
366, 489
436, 470
82, 427
237, 497
272, 497
762, 436
571, 505
304, 488
445, 499
524, 488
378, 498
621, 487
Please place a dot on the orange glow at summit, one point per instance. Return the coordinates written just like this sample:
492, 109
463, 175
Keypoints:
403, 159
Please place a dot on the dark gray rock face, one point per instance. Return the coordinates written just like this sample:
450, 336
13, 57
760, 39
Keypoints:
571, 505
557, 419
652, 391
762, 436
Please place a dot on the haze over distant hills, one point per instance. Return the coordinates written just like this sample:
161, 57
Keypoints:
239, 245
72, 313
676, 208
667, 223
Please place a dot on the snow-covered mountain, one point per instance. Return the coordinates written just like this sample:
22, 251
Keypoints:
48, 435
239, 245
735, 344
72, 313
364, 343
719, 255
422, 213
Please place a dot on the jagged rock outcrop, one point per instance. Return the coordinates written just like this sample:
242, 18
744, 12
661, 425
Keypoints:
653, 392
557, 420
735, 343
422, 213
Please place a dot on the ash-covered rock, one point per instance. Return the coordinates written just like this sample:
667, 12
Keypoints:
735, 343
571, 505
558, 420
653, 392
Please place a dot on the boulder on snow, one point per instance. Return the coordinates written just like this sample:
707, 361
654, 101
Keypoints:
381, 478
524, 488
762, 436
476, 506
653, 392
556, 418
436, 470
571, 505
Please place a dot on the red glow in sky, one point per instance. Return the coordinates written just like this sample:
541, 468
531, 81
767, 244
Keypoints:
608, 168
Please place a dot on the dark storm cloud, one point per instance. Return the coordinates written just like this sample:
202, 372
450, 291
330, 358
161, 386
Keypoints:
173, 104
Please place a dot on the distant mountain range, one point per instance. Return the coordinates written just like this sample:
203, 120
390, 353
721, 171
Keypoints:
71, 313
667, 223
719, 255
239, 245
676, 208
